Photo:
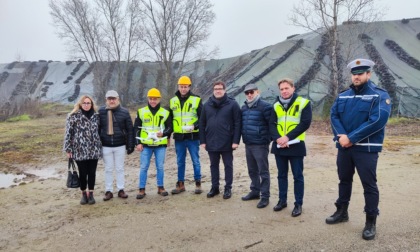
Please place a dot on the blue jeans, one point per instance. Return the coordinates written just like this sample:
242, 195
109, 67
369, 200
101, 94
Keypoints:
193, 147
145, 157
296, 162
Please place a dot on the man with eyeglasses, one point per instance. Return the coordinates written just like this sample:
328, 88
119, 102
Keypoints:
358, 119
116, 131
220, 133
256, 137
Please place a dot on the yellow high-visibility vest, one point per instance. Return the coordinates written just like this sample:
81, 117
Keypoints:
186, 116
152, 123
288, 120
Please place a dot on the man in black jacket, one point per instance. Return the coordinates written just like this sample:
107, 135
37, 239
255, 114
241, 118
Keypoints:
256, 137
220, 133
116, 132
290, 118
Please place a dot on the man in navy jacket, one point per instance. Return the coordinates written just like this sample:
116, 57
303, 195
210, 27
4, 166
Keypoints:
358, 119
220, 133
256, 137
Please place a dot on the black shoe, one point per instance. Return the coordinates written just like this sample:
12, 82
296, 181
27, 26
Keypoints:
297, 210
213, 192
263, 203
251, 196
227, 194
280, 206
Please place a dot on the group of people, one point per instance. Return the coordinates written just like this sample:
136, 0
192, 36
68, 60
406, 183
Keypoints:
358, 119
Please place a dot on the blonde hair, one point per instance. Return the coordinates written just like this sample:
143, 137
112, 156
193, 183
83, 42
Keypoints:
78, 104
287, 80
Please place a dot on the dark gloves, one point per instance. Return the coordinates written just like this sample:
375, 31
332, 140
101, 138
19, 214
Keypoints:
130, 150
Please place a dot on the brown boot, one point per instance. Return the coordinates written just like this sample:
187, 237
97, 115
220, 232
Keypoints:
142, 193
198, 187
162, 191
180, 187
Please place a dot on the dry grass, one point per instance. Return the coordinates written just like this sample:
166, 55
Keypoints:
22, 142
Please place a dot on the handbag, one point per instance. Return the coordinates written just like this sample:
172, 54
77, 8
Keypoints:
72, 176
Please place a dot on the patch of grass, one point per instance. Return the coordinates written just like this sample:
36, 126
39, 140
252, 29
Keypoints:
25, 141
24, 117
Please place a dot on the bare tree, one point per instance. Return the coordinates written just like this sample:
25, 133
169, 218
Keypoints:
100, 31
174, 32
324, 17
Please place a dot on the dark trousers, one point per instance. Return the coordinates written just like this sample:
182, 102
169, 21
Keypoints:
87, 173
257, 162
227, 157
365, 163
296, 163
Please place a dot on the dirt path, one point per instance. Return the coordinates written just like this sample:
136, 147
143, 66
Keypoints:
46, 216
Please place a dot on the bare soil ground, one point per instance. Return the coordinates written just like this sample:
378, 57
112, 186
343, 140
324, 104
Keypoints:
43, 215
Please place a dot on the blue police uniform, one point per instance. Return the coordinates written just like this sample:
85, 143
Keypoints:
361, 113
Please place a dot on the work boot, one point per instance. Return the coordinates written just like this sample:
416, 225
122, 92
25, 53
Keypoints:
91, 199
198, 187
84, 199
142, 193
180, 187
369, 231
341, 215
162, 191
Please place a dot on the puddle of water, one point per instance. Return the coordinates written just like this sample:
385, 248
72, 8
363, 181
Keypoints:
7, 180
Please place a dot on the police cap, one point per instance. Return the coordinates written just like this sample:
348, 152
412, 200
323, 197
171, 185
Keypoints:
359, 66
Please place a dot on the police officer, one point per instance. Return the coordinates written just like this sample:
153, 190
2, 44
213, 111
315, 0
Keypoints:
185, 108
290, 118
358, 119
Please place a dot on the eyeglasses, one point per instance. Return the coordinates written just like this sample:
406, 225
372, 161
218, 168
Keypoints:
249, 92
218, 89
86, 103
111, 98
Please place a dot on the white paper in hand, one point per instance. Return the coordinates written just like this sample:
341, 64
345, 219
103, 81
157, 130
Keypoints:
294, 141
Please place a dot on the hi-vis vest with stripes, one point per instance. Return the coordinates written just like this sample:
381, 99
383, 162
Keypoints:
152, 123
288, 120
186, 116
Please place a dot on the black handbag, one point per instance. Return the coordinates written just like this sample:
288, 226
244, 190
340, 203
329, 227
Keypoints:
72, 176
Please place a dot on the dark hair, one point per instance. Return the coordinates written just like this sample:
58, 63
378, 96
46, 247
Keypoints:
219, 83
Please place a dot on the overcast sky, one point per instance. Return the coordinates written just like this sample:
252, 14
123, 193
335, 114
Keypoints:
27, 33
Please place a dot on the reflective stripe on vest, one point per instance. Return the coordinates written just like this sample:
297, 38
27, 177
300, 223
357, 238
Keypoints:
288, 120
185, 116
152, 123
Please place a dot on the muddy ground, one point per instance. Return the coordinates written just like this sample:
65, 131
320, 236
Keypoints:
43, 215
